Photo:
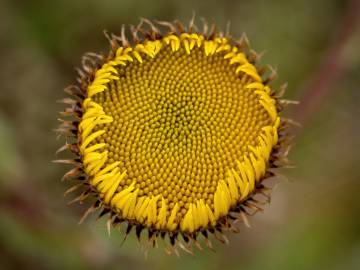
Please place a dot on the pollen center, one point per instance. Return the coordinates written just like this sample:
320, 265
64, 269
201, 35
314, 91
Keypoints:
181, 121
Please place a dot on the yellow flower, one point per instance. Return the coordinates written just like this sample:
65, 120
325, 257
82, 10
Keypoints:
175, 132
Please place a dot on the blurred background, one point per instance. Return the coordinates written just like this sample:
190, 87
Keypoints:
313, 221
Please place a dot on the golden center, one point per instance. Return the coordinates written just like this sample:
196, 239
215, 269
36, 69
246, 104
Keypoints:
180, 121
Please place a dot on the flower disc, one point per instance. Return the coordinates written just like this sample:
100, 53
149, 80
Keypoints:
176, 131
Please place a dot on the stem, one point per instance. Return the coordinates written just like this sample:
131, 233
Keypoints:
331, 68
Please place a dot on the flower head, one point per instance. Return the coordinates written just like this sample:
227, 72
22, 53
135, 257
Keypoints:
175, 132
